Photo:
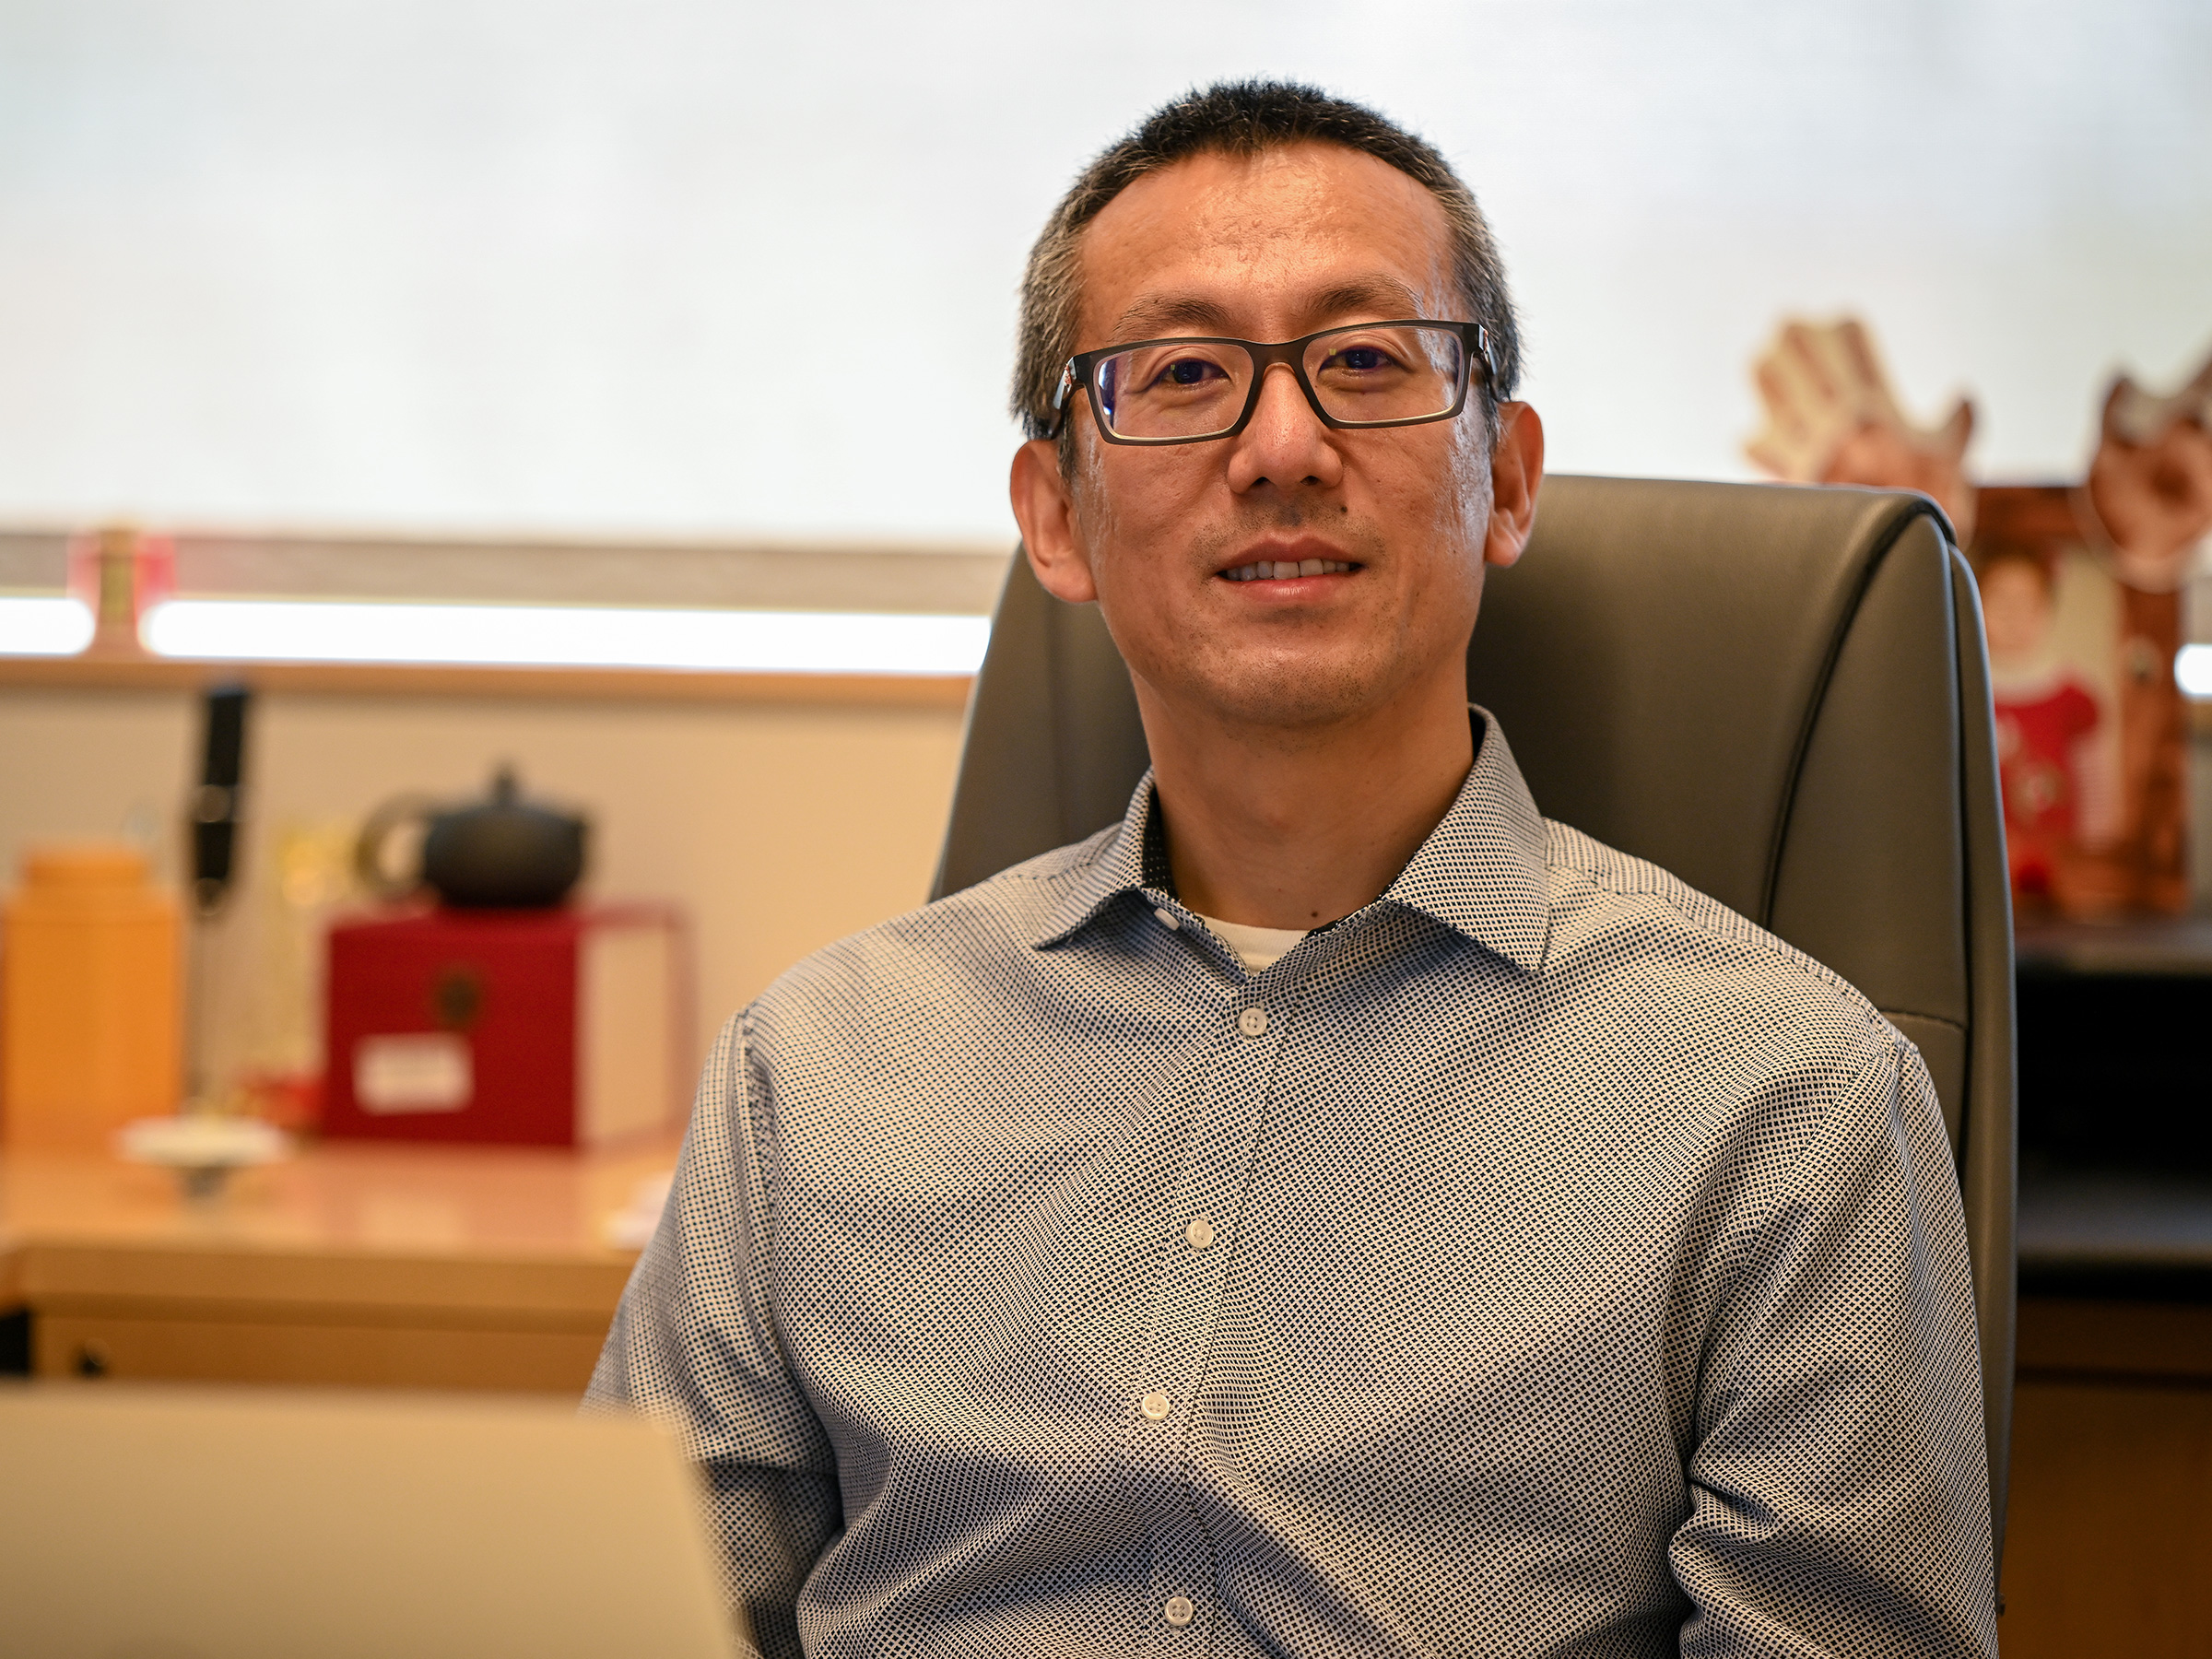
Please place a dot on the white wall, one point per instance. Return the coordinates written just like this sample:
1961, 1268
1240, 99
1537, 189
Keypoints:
516, 264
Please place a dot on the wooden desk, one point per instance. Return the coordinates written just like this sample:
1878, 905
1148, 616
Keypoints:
2109, 1547
2112, 1430
368, 1266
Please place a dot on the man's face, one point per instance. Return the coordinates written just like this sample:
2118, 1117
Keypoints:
1270, 248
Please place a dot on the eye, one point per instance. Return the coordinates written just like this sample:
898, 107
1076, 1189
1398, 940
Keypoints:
1187, 371
1363, 359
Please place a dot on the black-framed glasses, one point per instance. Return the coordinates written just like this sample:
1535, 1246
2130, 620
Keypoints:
1363, 374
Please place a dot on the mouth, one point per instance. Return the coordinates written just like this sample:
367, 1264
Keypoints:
1287, 558
1287, 570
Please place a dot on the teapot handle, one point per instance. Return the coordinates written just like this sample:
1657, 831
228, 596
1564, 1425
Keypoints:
369, 846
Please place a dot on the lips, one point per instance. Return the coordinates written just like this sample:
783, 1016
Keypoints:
1283, 570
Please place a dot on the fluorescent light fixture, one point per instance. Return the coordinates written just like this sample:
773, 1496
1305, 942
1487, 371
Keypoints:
2193, 670
43, 627
566, 637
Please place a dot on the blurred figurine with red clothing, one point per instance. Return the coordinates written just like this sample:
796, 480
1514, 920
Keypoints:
2081, 598
2056, 793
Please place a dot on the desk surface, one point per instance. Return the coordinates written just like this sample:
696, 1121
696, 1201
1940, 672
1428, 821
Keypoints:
341, 1236
360, 1202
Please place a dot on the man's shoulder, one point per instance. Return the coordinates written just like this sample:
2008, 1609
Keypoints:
1640, 922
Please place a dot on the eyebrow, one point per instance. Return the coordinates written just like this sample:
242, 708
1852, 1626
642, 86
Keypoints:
1152, 315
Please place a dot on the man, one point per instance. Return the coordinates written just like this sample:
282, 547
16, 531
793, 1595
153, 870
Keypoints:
1334, 1212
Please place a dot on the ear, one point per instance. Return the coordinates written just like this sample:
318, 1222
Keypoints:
1516, 471
1045, 510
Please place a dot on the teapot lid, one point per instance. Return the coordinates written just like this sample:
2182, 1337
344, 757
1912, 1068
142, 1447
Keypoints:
506, 800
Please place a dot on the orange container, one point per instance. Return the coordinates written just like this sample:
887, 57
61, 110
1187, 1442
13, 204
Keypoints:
90, 999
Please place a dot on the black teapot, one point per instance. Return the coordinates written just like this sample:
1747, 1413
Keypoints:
505, 852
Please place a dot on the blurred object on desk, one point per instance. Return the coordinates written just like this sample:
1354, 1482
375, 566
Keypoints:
216, 804
558, 1028
202, 1147
212, 818
501, 853
272, 1041
674, 790
91, 1013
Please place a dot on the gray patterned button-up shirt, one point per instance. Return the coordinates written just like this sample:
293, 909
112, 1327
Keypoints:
1541, 1260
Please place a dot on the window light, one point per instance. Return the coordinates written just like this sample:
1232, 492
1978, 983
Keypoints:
43, 627
2193, 669
566, 636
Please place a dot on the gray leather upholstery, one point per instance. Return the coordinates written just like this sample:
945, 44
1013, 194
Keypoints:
1778, 694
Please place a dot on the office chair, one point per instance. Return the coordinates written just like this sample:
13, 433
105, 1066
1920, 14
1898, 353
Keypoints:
1779, 694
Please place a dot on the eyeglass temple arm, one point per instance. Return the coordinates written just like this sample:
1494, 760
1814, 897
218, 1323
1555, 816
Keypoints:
1060, 395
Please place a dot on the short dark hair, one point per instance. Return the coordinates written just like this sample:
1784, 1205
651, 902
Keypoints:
1245, 118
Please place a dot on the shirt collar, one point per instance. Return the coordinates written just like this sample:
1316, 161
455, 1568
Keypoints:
1479, 873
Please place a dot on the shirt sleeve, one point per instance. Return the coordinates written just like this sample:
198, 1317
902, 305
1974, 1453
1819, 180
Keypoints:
694, 1344
1838, 1480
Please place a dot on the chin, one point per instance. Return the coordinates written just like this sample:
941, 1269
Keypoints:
1295, 692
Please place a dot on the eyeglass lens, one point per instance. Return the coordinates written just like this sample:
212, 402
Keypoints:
1191, 389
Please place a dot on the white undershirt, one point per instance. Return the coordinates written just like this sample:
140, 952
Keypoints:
1258, 947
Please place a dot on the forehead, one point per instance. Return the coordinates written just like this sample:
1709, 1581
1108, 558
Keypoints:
1279, 243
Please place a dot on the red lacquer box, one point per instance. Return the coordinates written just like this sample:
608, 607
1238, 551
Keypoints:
552, 1027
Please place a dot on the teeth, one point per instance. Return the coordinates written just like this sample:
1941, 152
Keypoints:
1268, 570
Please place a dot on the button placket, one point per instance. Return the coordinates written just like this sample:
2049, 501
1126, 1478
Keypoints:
1224, 1130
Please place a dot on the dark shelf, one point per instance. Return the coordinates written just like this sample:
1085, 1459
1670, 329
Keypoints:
2131, 1234
2115, 1047
2157, 947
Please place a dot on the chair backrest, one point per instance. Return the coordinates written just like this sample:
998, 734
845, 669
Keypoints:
1779, 694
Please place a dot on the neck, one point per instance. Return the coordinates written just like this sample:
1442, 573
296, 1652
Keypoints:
1294, 828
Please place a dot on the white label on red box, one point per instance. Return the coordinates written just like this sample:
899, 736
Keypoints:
422, 1071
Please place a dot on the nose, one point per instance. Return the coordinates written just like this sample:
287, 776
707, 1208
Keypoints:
1285, 443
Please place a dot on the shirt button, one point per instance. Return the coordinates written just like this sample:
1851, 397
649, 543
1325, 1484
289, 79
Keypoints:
1200, 1233
1155, 1406
1180, 1611
1253, 1022
1168, 919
